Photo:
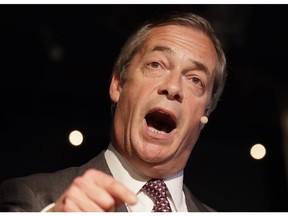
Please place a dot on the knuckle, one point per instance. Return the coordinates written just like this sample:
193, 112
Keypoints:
70, 194
113, 184
90, 172
79, 181
108, 203
67, 206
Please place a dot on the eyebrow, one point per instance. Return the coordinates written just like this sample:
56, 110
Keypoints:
198, 64
162, 49
201, 67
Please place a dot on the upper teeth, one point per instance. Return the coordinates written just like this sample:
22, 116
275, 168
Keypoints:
155, 130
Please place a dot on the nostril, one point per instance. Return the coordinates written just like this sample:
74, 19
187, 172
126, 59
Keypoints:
164, 92
171, 96
172, 92
177, 97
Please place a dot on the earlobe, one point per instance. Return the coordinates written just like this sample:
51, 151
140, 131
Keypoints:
115, 87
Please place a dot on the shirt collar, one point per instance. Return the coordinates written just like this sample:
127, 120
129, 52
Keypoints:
175, 187
123, 172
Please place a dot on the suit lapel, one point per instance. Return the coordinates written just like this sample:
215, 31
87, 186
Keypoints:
194, 205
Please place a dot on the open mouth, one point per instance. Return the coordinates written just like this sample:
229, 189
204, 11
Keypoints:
161, 122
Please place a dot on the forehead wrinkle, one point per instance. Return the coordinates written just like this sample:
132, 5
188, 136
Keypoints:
163, 48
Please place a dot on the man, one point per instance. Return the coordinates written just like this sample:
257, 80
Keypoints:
166, 81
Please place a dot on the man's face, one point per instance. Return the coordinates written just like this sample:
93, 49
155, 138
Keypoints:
159, 105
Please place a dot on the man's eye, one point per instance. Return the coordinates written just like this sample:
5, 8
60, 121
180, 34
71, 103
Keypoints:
196, 80
154, 65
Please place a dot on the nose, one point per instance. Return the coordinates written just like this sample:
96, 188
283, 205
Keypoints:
172, 88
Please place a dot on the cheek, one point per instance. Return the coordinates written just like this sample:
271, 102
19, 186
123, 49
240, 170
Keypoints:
191, 119
131, 97
190, 139
195, 108
137, 91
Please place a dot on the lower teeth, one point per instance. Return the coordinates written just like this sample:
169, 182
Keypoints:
155, 130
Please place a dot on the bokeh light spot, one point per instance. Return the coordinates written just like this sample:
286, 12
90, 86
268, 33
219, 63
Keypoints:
76, 138
258, 151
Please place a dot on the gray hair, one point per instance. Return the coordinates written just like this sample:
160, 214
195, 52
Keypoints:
190, 20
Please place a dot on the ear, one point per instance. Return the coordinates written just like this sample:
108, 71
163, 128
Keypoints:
207, 111
115, 87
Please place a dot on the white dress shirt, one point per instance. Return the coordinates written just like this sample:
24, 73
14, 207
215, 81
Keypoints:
122, 171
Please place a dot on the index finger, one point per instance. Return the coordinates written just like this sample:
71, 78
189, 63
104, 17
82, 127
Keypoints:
115, 188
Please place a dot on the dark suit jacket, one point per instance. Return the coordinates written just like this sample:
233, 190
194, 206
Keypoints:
35, 192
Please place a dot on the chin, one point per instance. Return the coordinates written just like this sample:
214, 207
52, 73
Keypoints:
153, 159
154, 154
154, 165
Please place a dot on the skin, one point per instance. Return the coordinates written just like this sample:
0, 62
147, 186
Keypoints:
173, 73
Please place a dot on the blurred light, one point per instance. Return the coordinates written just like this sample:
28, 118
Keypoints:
258, 151
56, 53
76, 138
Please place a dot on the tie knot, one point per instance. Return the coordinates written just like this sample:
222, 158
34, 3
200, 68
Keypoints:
156, 188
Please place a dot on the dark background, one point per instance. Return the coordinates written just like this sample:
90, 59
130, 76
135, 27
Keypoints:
55, 67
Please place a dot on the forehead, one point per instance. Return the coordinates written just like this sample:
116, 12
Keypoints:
185, 41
